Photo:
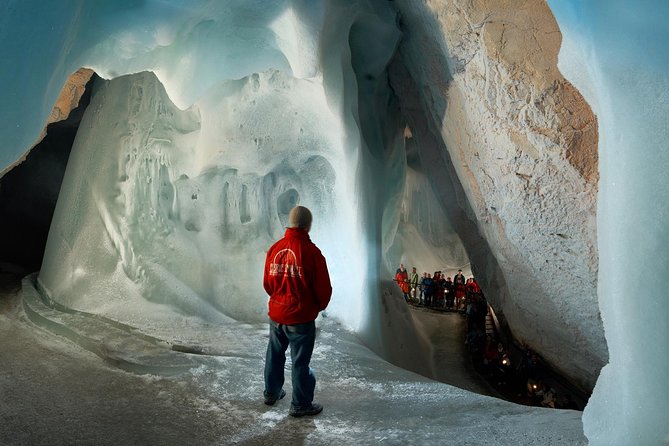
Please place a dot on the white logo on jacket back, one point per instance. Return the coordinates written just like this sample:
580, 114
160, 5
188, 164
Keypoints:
285, 264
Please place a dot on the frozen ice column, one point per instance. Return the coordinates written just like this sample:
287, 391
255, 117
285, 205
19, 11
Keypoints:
616, 54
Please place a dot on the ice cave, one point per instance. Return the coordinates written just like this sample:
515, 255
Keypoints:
151, 151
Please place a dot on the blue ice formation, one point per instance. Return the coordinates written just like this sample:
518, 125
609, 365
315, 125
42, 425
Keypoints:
217, 119
616, 54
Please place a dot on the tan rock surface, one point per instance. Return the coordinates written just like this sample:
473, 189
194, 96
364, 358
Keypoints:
69, 96
523, 143
67, 101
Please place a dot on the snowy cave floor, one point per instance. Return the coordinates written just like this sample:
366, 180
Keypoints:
54, 391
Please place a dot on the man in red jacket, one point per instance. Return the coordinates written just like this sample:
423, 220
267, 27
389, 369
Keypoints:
297, 281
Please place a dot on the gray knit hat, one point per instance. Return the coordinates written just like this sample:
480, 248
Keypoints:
299, 217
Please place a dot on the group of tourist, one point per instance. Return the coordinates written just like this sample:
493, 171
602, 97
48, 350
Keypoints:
526, 381
437, 290
523, 379
518, 373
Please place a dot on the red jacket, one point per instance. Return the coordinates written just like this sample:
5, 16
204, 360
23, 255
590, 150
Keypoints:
296, 279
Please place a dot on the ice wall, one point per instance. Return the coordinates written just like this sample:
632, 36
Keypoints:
616, 54
177, 207
176, 185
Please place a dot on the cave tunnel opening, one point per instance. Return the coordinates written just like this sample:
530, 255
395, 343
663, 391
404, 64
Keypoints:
29, 191
516, 373
495, 362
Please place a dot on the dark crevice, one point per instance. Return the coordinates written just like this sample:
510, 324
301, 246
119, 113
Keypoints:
28, 192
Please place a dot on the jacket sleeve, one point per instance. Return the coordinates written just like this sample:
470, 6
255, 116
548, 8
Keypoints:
322, 286
265, 275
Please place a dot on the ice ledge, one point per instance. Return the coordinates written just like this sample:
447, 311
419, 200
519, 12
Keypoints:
118, 344
366, 399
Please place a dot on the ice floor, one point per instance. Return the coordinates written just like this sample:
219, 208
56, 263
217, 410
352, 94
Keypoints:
54, 390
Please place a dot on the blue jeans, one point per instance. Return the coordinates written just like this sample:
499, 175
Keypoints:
301, 338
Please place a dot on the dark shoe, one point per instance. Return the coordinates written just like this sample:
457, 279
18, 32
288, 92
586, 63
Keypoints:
314, 409
270, 400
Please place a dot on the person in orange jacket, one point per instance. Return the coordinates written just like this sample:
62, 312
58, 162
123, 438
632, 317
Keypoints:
297, 281
402, 279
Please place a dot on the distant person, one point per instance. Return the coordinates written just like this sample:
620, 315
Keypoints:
429, 290
438, 292
459, 278
297, 281
413, 282
532, 365
402, 279
502, 367
550, 397
423, 288
470, 305
448, 289
473, 339
490, 350
468, 287
472, 288
459, 286
441, 290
